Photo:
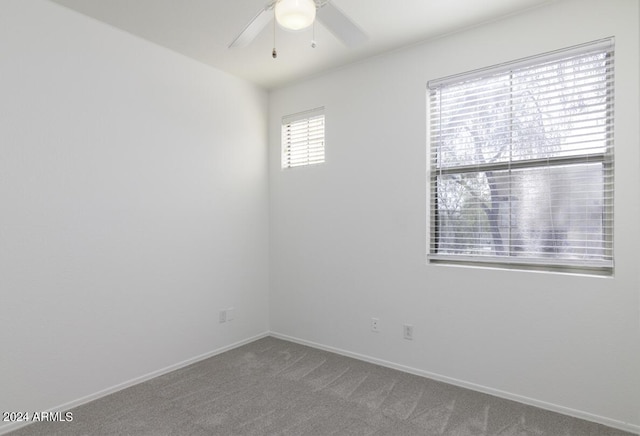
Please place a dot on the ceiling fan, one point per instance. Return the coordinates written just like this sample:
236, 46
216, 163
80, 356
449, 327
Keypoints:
295, 15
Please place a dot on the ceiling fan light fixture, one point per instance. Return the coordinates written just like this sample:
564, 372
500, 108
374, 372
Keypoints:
295, 14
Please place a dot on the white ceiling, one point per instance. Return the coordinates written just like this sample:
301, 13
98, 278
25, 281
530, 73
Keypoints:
203, 29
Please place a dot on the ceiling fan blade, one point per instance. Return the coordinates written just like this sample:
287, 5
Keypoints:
341, 26
254, 27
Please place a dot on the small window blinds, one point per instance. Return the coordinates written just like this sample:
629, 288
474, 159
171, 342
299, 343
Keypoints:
521, 162
303, 138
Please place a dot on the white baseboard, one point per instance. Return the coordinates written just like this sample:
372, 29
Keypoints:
80, 401
464, 384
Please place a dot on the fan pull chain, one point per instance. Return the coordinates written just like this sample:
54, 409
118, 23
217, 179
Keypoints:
313, 39
274, 53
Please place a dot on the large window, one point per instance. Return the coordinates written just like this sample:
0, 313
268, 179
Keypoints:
303, 138
521, 162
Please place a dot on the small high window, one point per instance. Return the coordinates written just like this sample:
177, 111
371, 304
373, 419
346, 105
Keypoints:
303, 138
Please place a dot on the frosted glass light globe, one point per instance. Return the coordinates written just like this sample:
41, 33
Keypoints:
295, 14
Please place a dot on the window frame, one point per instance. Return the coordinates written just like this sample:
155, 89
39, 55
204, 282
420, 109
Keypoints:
309, 127
605, 266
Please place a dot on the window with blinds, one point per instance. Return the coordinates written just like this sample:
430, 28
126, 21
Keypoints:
303, 138
521, 163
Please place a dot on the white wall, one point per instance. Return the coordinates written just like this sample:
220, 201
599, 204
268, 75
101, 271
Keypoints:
133, 207
348, 237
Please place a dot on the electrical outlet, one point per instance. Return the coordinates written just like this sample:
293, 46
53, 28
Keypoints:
230, 314
408, 331
375, 325
223, 316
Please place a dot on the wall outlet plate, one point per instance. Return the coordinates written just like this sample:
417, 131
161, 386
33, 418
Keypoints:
375, 325
407, 330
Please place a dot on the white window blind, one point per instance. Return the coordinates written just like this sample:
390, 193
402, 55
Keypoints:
303, 138
521, 162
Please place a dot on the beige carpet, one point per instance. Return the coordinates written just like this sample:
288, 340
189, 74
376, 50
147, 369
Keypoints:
274, 387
